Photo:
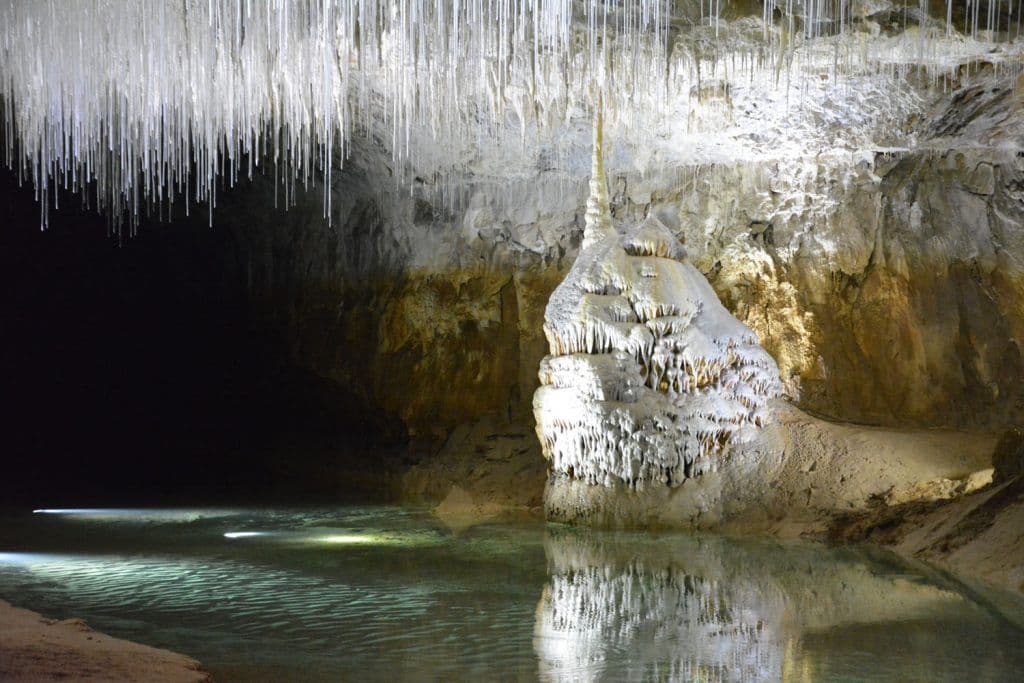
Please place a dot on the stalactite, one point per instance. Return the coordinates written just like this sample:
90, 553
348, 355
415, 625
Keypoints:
152, 103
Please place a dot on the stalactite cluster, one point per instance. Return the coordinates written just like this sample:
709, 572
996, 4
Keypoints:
147, 103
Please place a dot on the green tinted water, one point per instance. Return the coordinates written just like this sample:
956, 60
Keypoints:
392, 594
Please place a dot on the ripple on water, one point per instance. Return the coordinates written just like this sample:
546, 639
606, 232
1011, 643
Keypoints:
388, 594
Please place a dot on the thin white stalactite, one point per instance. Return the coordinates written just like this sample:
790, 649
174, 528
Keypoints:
154, 101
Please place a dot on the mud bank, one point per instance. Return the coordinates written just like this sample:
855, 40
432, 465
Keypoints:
34, 648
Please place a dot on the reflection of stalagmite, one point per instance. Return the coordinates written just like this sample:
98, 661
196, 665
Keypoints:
649, 376
709, 609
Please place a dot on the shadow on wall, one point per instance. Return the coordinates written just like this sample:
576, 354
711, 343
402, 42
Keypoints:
391, 300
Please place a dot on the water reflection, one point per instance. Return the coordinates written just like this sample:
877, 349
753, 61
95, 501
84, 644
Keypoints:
385, 594
632, 607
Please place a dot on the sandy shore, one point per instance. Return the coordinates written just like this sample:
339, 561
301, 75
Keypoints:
33, 648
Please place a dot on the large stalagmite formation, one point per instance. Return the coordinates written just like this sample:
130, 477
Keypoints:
649, 378
658, 407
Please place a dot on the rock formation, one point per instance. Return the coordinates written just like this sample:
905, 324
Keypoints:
658, 407
870, 238
649, 377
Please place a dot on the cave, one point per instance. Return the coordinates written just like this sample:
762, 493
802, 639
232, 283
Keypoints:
522, 340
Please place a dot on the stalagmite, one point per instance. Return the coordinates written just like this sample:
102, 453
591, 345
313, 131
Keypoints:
649, 378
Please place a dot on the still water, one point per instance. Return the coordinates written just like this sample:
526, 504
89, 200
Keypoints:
393, 594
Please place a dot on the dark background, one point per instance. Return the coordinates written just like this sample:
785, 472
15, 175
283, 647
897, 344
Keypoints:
131, 372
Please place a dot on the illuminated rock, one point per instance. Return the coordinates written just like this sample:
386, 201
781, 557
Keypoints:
156, 105
650, 379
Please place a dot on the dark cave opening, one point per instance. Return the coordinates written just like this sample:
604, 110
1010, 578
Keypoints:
135, 374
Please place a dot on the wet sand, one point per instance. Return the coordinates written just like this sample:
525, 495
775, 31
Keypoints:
34, 648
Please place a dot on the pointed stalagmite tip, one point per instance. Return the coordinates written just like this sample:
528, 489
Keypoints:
598, 221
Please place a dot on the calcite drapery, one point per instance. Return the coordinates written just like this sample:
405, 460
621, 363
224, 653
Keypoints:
649, 376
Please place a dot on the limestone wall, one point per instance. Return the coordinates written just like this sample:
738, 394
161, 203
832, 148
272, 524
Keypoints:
886, 283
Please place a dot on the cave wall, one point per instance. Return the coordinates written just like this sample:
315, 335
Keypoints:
887, 283
133, 373
431, 314
899, 306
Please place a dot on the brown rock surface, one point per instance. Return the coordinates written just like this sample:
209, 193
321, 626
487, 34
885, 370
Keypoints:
33, 648
979, 535
886, 283
1008, 458
483, 469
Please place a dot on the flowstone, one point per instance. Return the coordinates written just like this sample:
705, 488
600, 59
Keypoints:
649, 380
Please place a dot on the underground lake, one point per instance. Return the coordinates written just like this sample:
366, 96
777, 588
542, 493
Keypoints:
386, 593
512, 340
